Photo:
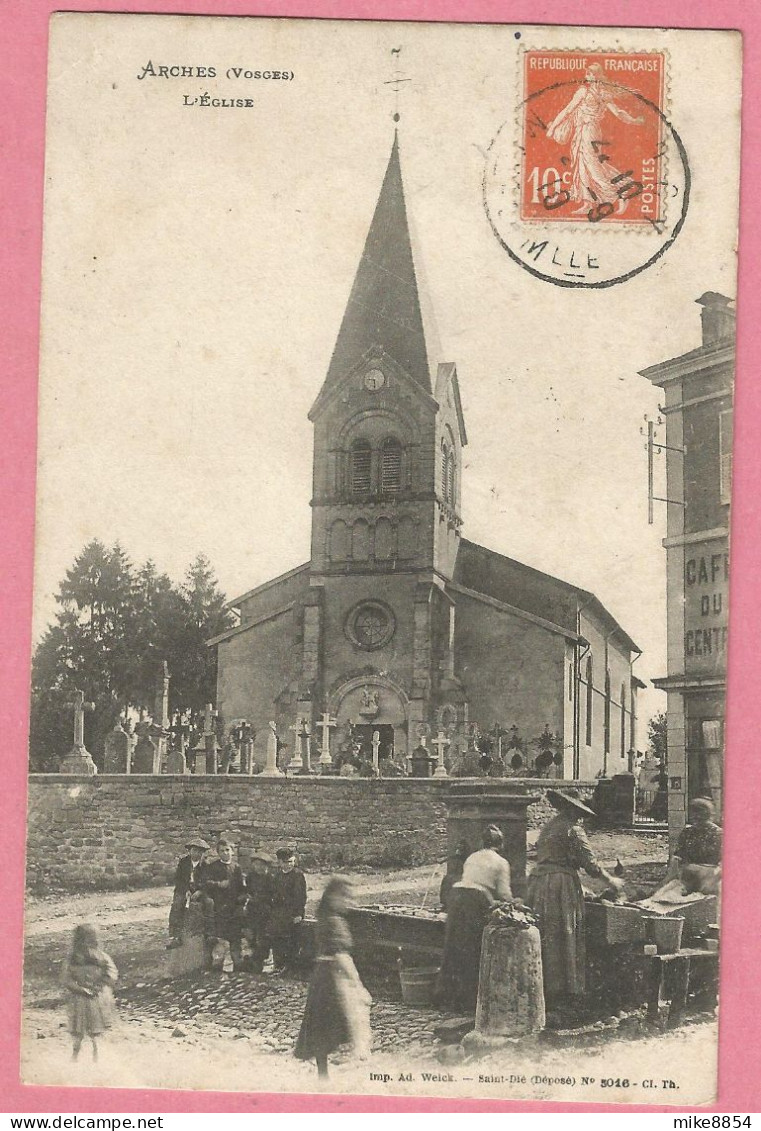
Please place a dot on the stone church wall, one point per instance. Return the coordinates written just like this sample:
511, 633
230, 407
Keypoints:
120, 832
513, 670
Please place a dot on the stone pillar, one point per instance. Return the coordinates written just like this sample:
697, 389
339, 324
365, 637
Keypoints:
470, 808
271, 768
161, 717
210, 739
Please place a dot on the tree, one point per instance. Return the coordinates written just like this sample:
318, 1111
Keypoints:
657, 738
88, 648
115, 625
205, 616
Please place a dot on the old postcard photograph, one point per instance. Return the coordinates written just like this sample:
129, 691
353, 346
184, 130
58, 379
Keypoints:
382, 558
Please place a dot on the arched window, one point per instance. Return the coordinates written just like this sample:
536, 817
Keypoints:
451, 480
589, 700
444, 471
391, 466
623, 720
360, 467
606, 717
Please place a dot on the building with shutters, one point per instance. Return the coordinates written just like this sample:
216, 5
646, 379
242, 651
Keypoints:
697, 405
397, 623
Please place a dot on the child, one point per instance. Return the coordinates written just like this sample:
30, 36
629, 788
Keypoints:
223, 887
187, 881
289, 898
338, 1005
256, 917
89, 975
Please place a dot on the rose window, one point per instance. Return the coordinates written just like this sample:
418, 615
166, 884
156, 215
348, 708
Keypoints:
371, 625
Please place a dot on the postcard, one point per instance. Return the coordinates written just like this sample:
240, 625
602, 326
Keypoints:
382, 558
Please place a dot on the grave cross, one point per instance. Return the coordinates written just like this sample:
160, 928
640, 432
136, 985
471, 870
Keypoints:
325, 725
296, 763
376, 751
440, 742
79, 707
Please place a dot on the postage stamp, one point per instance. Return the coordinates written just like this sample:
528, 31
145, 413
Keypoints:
592, 143
590, 148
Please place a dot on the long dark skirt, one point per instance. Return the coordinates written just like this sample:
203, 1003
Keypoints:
337, 1010
467, 913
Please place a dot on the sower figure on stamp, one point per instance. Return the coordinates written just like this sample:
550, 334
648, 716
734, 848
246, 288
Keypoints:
258, 911
594, 180
187, 883
289, 898
223, 888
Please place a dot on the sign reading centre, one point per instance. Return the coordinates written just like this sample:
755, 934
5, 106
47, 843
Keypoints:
706, 581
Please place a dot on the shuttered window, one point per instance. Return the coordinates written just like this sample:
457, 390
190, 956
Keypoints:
391, 467
725, 455
361, 464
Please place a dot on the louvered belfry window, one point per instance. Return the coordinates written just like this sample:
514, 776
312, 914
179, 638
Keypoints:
391, 467
444, 471
361, 464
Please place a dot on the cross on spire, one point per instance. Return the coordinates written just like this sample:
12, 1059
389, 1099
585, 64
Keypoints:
397, 82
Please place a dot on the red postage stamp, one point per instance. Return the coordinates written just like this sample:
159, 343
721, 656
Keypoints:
592, 128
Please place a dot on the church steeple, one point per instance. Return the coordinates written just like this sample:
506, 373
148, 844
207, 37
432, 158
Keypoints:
384, 305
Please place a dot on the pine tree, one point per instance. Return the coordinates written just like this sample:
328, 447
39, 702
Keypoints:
114, 627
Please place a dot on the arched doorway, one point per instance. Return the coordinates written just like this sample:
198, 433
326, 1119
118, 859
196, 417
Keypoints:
373, 703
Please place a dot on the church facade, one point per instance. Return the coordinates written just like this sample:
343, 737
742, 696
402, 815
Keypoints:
398, 627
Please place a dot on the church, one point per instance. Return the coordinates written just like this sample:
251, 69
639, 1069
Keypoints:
398, 627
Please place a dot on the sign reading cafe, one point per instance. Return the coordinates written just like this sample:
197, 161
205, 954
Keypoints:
706, 576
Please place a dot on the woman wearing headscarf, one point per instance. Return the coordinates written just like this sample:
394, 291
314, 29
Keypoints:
485, 881
337, 1009
697, 852
555, 894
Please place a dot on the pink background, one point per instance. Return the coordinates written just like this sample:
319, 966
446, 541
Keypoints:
22, 120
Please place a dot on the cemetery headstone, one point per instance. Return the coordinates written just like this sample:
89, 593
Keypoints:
117, 751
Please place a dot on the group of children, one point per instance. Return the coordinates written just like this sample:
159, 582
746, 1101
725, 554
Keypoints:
264, 906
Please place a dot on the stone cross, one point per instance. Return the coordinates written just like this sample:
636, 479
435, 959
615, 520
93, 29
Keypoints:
325, 725
78, 760
79, 707
440, 742
296, 764
376, 750
210, 738
271, 768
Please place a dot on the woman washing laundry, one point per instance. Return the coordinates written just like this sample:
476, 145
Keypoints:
555, 894
485, 881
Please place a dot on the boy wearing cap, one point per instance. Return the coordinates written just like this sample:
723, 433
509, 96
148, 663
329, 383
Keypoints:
256, 916
289, 898
187, 881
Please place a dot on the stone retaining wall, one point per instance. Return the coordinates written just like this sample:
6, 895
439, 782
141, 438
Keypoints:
114, 831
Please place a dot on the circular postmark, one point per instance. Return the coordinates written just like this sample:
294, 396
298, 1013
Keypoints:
590, 185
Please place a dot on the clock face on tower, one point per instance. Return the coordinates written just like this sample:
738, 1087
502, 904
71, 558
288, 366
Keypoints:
374, 379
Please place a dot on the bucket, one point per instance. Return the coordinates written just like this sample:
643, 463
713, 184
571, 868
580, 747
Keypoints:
665, 931
418, 984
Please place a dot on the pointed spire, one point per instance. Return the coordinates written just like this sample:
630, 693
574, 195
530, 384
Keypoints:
384, 306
